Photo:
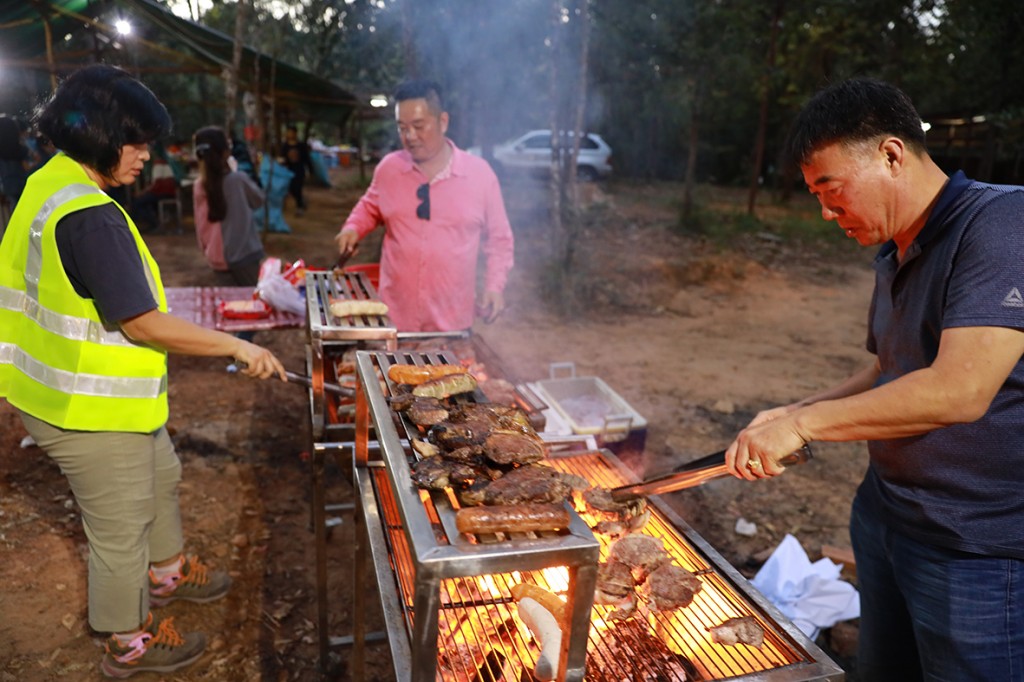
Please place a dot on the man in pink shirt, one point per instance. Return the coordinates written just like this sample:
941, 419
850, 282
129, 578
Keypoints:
440, 207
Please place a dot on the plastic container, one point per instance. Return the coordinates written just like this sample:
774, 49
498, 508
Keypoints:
590, 407
371, 270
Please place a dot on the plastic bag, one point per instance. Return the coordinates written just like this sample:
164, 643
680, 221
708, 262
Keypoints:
274, 289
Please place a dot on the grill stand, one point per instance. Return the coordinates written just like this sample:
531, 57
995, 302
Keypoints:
415, 650
328, 337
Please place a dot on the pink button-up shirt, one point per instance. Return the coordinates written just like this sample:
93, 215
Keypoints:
428, 268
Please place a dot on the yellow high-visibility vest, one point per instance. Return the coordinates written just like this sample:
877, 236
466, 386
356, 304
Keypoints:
59, 360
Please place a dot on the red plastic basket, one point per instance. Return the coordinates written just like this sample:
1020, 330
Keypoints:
245, 309
371, 270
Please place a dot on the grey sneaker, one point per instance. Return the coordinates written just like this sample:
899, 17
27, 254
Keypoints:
159, 649
196, 583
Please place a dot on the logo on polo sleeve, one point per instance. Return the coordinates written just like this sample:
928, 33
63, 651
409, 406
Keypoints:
1013, 299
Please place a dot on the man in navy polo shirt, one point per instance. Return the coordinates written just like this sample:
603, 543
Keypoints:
937, 525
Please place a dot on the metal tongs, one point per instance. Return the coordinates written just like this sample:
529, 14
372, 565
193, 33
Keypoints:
307, 381
692, 474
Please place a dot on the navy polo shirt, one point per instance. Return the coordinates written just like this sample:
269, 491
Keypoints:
961, 486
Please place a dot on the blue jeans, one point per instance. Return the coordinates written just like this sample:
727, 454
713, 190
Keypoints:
930, 613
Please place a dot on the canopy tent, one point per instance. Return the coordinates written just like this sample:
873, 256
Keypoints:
43, 37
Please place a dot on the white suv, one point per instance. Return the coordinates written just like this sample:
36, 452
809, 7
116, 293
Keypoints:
532, 152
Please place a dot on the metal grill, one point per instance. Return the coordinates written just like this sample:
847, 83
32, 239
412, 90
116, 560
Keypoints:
322, 287
463, 590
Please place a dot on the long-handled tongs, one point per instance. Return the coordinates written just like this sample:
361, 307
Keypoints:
692, 474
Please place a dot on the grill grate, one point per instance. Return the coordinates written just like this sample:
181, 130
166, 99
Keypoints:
463, 585
478, 615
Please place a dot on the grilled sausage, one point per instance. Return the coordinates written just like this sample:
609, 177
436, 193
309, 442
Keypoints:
345, 307
545, 598
445, 386
417, 374
511, 518
548, 634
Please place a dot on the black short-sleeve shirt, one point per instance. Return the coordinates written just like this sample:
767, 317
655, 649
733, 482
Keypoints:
101, 259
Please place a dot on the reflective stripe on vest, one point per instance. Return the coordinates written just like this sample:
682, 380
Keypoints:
68, 326
34, 264
81, 384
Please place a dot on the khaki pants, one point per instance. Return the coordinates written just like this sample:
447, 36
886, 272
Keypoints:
126, 485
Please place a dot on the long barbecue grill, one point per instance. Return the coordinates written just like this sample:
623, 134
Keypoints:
446, 597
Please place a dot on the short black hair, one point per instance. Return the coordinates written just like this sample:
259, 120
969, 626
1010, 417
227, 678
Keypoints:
852, 111
421, 89
96, 111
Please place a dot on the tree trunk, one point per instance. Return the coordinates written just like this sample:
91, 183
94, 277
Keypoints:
408, 40
762, 121
555, 184
231, 89
690, 178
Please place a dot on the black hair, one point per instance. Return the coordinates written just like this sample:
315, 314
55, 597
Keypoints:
211, 147
96, 111
855, 110
422, 89
10, 139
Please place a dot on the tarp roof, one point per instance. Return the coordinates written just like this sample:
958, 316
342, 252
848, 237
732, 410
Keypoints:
182, 45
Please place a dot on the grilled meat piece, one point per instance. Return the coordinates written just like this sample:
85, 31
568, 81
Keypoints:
451, 434
425, 449
438, 473
475, 494
445, 386
508, 447
500, 416
642, 553
745, 630
527, 484
426, 411
616, 518
402, 398
671, 587
615, 588
468, 454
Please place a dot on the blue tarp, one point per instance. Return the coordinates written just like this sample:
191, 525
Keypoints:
316, 159
276, 188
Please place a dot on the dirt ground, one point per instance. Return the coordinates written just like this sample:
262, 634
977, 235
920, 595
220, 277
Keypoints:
695, 337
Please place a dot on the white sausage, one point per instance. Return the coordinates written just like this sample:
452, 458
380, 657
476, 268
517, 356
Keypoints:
347, 307
547, 633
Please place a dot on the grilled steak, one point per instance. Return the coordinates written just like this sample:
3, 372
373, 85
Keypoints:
451, 435
642, 553
426, 411
508, 447
615, 518
526, 484
745, 630
438, 473
671, 587
615, 588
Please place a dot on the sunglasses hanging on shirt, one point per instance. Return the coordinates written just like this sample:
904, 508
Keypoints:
423, 194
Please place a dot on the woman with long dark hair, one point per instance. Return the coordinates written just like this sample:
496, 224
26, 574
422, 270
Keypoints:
223, 201
84, 338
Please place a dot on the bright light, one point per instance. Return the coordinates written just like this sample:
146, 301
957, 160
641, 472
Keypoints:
378, 101
123, 27
926, 126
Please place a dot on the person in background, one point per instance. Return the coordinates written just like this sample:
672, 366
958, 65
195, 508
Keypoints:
163, 185
14, 162
45, 149
440, 206
86, 335
295, 157
937, 524
223, 201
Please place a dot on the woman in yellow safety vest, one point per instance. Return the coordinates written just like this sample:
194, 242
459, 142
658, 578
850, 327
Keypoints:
84, 338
